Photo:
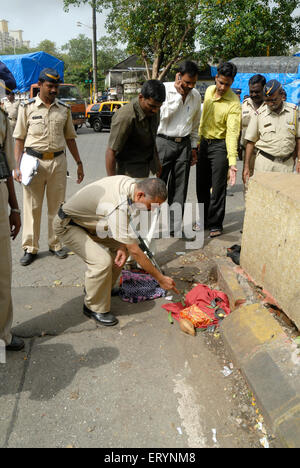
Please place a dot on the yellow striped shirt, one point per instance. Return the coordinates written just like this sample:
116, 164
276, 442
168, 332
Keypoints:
221, 119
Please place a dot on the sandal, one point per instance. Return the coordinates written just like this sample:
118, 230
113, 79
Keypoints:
215, 233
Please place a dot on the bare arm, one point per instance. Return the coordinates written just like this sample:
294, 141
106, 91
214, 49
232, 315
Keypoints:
249, 151
72, 145
110, 159
19, 149
14, 218
165, 281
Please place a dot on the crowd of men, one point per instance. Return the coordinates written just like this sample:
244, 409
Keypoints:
162, 131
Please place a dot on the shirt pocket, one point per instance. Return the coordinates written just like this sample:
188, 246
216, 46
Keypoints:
36, 127
268, 132
59, 125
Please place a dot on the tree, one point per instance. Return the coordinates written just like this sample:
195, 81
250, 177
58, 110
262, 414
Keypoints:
232, 28
161, 32
49, 47
78, 50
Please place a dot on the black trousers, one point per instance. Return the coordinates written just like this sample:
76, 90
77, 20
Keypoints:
212, 170
175, 159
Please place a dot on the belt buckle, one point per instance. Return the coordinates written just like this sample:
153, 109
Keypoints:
178, 140
48, 156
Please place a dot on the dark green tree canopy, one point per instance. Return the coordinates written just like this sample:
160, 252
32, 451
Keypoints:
243, 28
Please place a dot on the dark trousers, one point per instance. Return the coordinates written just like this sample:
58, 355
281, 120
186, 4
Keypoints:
212, 170
175, 159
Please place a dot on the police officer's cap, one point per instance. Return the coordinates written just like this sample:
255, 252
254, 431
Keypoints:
49, 74
271, 87
7, 80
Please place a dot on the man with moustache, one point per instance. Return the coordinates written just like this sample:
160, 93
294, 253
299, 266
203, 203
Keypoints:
177, 136
275, 133
43, 129
219, 134
251, 106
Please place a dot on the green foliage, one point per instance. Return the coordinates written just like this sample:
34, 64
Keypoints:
232, 28
161, 32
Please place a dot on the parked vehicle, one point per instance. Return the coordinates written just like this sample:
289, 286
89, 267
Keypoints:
99, 115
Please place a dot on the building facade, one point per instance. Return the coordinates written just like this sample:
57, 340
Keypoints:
11, 39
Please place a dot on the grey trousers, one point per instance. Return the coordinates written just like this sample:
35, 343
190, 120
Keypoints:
175, 159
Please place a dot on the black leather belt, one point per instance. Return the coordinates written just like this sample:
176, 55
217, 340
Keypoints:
44, 156
274, 158
176, 139
210, 141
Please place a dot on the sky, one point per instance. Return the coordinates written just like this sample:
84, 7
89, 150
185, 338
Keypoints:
46, 19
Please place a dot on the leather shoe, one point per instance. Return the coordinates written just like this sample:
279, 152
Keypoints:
28, 258
61, 254
106, 319
16, 344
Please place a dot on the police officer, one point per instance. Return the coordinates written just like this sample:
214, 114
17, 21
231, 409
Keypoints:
94, 223
43, 129
12, 107
275, 132
251, 106
9, 223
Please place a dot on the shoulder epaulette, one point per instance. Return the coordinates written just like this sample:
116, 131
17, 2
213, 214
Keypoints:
64, 104
27, 101
293, 106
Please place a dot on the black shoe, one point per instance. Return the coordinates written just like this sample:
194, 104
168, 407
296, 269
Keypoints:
115, 291
28, 258
107, 319
61, 254
16, 344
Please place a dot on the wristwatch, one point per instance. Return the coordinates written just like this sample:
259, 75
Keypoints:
15, 210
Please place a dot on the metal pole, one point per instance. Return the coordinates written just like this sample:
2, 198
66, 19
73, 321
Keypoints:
94, 46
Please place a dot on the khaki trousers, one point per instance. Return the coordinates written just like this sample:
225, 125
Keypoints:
263, 164
52, 179
6, 310
98, 255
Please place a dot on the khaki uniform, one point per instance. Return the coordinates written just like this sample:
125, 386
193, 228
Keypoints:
12, 109
275, 134
6, 311
248, 110
92, 213
44, 130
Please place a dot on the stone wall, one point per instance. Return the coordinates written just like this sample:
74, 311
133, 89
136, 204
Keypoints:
270, 251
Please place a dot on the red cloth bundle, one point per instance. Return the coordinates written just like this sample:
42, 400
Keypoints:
202, 297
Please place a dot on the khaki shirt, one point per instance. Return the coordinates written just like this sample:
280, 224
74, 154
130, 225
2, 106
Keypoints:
132, 137
12, 109
102, 206
6, 140
248, 109
44, 129
275, 133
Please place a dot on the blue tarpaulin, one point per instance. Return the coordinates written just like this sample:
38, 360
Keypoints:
27, 67
284, 69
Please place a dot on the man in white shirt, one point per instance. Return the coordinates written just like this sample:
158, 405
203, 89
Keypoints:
177, 134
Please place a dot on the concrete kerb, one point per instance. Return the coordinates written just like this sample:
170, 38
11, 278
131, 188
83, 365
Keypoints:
267, 358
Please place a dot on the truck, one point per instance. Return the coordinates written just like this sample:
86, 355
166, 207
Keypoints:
26, 69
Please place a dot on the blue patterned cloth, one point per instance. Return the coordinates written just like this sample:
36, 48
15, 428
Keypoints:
139, 287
